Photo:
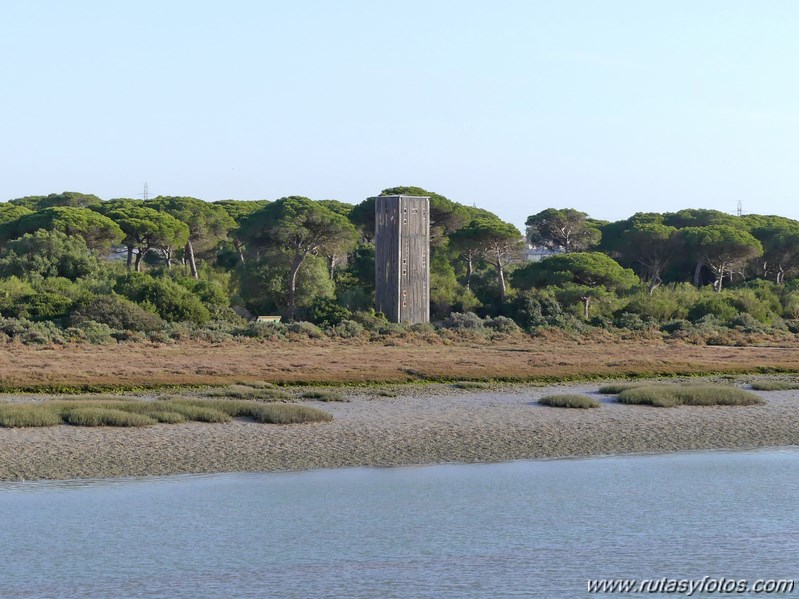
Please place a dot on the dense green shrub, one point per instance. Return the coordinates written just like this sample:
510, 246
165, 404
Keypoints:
790, 304
117, 312
463, 321
48, 254
305, 329
36, 306
758, 301
676, 326
32, 333
630, 321
665, 303
170, 300
746, 323
370, 320
179, 331
264, 330
92, 332
717, 305
210, 293
324, 311
129, 336
347, 329
424, 328
210, 335
531, 309
502, 324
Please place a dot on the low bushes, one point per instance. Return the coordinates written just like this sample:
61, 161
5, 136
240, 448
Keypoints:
614, 388
463, 321
268, 413
470, 385
117, 312
27, 415
288, 414
323, 395
774, 386
250, 391
131, 412
569, 401
669, 396
91, 416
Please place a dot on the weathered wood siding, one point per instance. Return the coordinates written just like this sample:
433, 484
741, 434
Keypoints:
402, 254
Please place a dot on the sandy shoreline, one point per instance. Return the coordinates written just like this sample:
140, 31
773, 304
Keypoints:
434, 425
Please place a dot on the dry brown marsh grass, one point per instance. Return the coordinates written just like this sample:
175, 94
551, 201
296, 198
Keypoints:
336, 362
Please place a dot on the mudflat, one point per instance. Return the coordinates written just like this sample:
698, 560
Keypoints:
434, 423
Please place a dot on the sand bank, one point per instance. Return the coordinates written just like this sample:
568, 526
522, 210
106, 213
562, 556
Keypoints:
434, 425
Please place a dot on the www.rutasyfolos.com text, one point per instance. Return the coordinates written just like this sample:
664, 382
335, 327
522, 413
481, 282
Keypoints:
690, 586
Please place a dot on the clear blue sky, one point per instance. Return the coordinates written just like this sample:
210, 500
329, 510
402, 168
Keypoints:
611, 107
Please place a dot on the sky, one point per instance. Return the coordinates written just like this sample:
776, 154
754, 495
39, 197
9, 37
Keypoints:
610, 107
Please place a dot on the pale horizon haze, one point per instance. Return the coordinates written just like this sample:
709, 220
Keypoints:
610, 107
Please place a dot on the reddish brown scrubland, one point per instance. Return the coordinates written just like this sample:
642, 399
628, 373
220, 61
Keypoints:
346, 361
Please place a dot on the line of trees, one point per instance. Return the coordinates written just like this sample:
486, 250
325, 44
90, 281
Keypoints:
71, 257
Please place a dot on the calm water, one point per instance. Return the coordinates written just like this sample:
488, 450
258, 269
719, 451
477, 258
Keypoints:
521, 529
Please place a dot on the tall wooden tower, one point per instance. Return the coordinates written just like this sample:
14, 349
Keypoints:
402, 257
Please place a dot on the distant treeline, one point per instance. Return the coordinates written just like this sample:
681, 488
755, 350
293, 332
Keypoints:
75, 266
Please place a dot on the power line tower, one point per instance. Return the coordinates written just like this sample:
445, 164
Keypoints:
740, 210
146, 194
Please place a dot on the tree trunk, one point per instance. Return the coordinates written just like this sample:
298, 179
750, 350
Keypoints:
240, 250
292, 303
717, 284
698, 274
586, 305
468, 270
331, 265
192, 262
130, 257
501, 280
139, 258
653, 270
654, 283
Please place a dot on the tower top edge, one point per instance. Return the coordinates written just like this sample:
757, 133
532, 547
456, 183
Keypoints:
402, 197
